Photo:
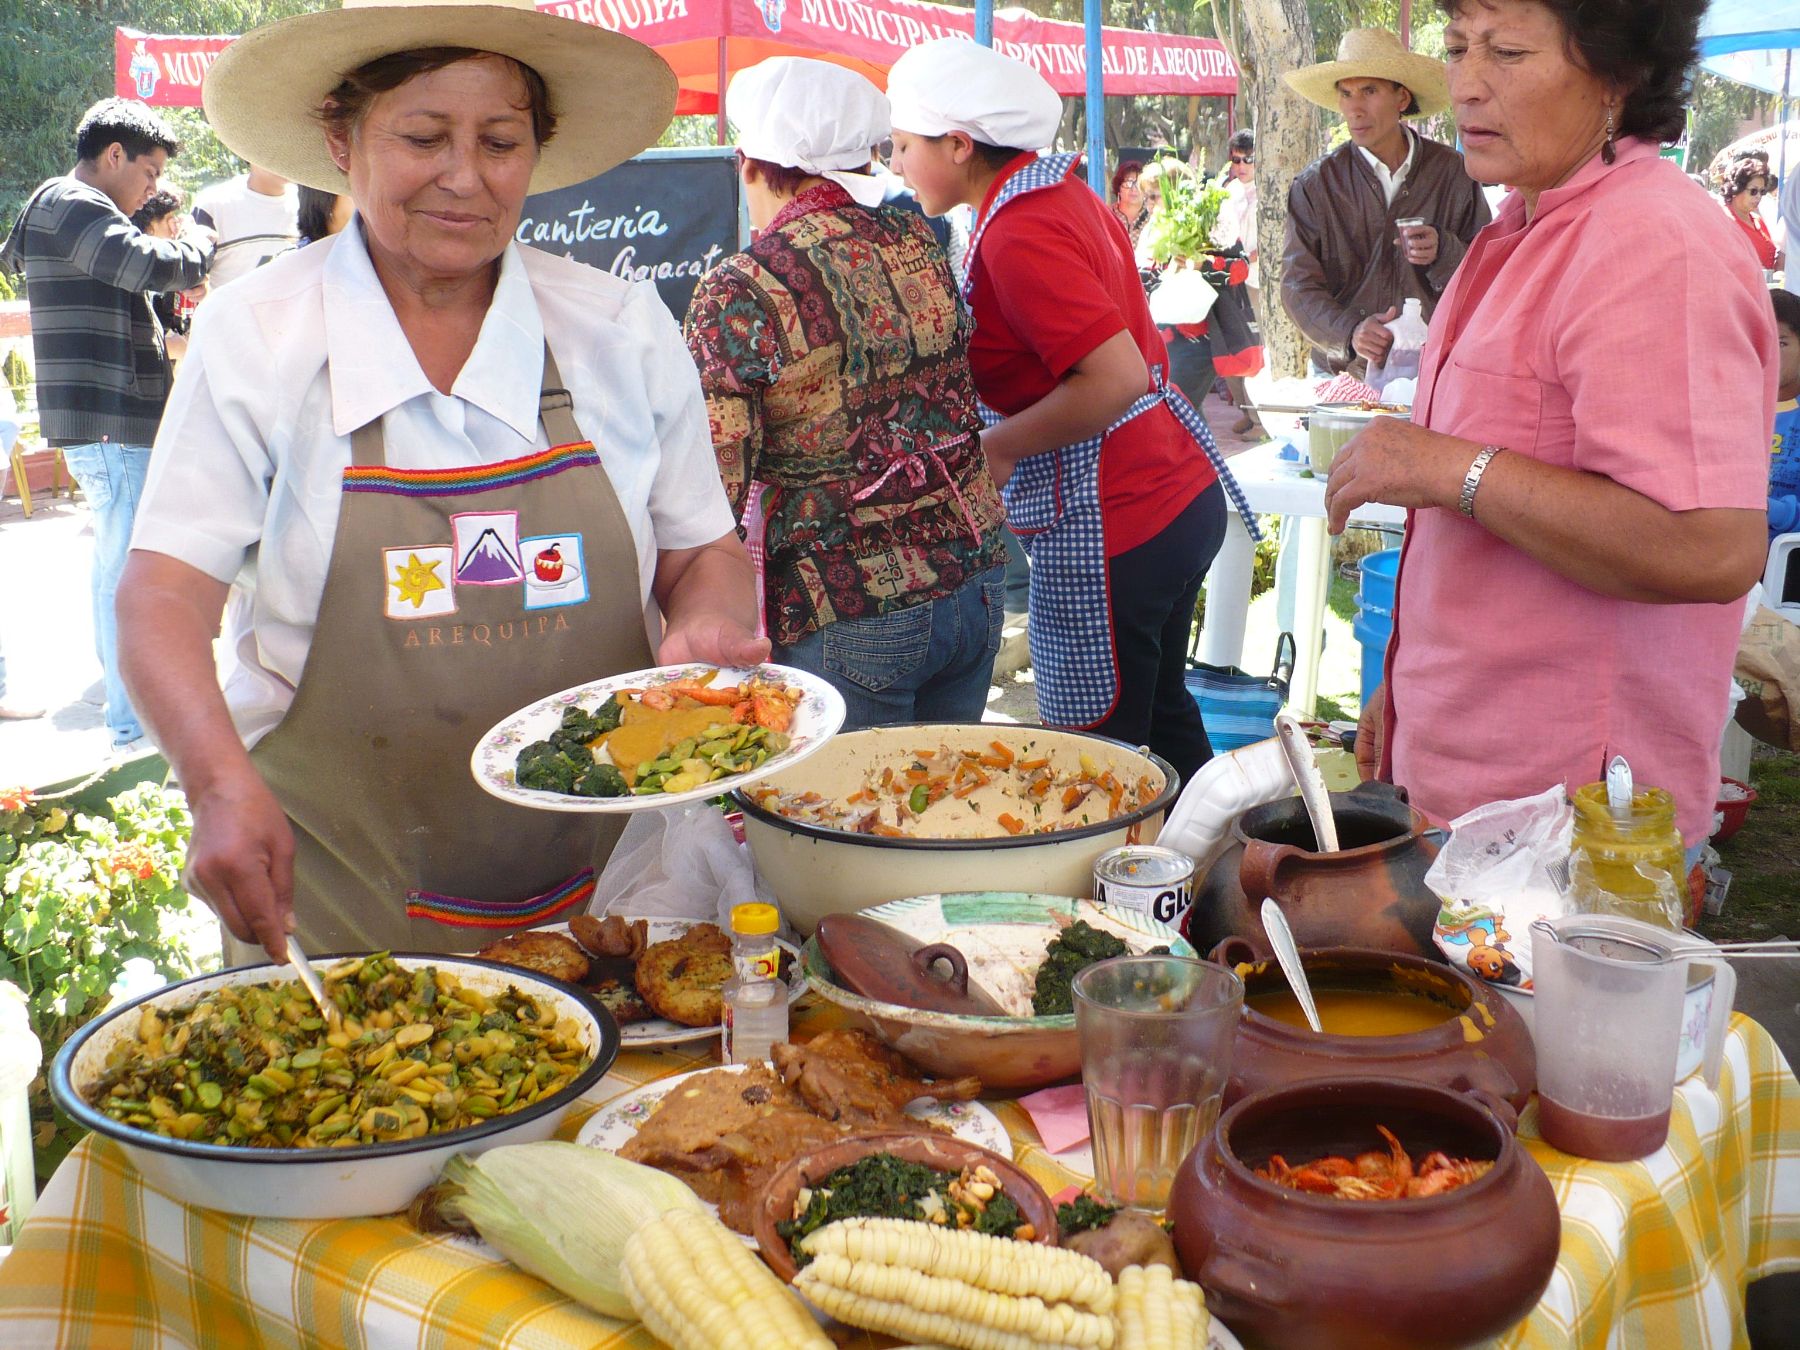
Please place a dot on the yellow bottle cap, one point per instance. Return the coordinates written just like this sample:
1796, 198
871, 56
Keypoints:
754, 920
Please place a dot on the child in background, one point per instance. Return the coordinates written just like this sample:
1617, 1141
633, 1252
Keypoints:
1784, 465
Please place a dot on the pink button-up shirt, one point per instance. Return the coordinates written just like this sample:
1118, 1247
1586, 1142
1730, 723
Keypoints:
1624, 331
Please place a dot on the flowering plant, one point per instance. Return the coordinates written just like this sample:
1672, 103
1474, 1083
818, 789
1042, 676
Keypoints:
80, 895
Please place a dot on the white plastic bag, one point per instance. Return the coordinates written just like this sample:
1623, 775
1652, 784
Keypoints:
1504, 867
682, 862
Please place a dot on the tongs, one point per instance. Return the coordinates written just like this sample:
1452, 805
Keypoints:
314, 985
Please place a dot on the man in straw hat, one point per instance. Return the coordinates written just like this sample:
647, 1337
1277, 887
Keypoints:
438, 475
1386, 216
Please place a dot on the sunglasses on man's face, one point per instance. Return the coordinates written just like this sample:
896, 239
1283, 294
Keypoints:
1243, 159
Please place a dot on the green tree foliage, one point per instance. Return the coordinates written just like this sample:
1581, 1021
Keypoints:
56, 60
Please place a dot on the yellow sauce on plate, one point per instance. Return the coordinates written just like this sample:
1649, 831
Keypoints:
644, 734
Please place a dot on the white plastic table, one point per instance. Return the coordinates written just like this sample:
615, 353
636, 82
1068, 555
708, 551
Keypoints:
1277, 487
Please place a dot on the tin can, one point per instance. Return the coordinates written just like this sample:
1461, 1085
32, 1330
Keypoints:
1158, 882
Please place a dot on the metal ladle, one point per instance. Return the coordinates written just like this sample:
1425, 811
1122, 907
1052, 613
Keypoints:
1287, 955
1308, 779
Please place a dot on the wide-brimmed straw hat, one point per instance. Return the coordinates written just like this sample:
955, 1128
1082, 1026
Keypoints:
1374, 53
612, 95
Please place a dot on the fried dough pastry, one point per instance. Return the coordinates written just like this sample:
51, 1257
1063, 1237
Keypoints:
682, 979
553, 954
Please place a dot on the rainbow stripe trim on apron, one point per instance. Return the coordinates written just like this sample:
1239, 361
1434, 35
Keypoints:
501, 913
477, 478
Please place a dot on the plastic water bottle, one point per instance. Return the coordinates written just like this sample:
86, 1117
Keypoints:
755, 1012
1403, 356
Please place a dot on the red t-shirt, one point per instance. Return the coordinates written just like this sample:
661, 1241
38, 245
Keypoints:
1054, 279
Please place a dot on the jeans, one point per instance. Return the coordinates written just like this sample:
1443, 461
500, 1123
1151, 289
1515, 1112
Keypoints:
112, 480
1154, 590
929, 662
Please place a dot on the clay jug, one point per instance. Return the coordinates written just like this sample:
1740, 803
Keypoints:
1370, 893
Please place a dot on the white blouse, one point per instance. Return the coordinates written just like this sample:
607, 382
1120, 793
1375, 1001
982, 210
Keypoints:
284, 364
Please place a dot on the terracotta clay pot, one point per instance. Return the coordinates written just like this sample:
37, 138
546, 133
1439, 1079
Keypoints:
1282, 1267
941, 1152
1484, 1047
1370, 893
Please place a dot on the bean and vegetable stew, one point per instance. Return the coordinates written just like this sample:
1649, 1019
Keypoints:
418, 1053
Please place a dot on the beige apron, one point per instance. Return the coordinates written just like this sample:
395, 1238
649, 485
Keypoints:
453, 597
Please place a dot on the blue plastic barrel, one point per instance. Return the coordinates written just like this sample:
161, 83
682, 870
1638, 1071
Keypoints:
1374, 623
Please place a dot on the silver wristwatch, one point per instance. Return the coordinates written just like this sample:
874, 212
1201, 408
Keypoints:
1472, 481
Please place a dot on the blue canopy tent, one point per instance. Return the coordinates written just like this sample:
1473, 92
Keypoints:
1754, 42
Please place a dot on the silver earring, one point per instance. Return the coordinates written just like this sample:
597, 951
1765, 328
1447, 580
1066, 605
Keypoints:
1610, 151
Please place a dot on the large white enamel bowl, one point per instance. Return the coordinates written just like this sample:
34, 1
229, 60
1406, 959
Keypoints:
816, 870
323, 1183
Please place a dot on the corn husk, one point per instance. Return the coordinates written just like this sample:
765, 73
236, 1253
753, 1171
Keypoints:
563, 1212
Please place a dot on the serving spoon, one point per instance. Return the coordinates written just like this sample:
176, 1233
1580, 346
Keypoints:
1308, 779
314, 985
1287, 955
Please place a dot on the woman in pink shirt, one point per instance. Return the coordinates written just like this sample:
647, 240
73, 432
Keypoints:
1587, 462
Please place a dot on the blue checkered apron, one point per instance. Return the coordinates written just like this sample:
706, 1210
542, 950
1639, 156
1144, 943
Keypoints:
1053, 505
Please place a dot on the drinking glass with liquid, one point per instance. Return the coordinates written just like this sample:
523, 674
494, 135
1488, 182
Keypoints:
755, 1006
1156, 1040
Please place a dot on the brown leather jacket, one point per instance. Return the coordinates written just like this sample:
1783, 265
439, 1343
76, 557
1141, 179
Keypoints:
1342, 261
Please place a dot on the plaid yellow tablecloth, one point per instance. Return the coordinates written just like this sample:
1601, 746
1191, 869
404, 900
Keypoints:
1655, 1253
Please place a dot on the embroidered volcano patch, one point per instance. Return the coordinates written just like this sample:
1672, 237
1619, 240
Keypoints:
419, 583
487, 548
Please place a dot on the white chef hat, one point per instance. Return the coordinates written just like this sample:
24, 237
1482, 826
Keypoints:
954, 84
813, 116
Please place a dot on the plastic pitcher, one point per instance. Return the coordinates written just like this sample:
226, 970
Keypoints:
1609, 995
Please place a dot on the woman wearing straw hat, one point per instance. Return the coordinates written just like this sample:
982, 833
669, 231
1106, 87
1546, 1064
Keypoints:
1349, 262
1110, 478
436, 474
834, 356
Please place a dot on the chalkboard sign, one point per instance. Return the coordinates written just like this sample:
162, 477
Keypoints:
666, 216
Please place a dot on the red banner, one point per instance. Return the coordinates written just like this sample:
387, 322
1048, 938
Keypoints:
164, 70
873, 33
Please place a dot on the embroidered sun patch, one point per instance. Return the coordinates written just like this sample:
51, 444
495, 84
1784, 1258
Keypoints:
555, 571
487, 548
419, 582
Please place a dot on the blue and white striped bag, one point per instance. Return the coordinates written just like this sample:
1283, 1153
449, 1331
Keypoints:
1239, 708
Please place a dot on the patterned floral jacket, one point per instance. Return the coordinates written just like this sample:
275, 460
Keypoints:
834, 358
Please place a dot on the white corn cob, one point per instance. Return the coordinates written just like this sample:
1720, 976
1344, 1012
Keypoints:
697, 1287
998, 1265
957, 1288
1156, 1311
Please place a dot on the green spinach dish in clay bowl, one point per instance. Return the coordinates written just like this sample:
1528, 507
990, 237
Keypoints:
1021, 951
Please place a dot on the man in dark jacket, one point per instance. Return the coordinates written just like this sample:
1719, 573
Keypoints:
102, 369
1385, 217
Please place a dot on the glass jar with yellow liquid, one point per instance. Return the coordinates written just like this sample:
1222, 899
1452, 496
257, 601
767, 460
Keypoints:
1630, 863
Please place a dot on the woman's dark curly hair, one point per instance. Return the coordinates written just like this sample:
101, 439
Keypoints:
1645, 47
1744, 170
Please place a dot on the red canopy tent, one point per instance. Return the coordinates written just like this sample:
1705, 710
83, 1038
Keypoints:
709, 40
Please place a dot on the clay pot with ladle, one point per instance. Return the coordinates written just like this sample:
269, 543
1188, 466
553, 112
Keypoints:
1481, 1045
1370, 892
